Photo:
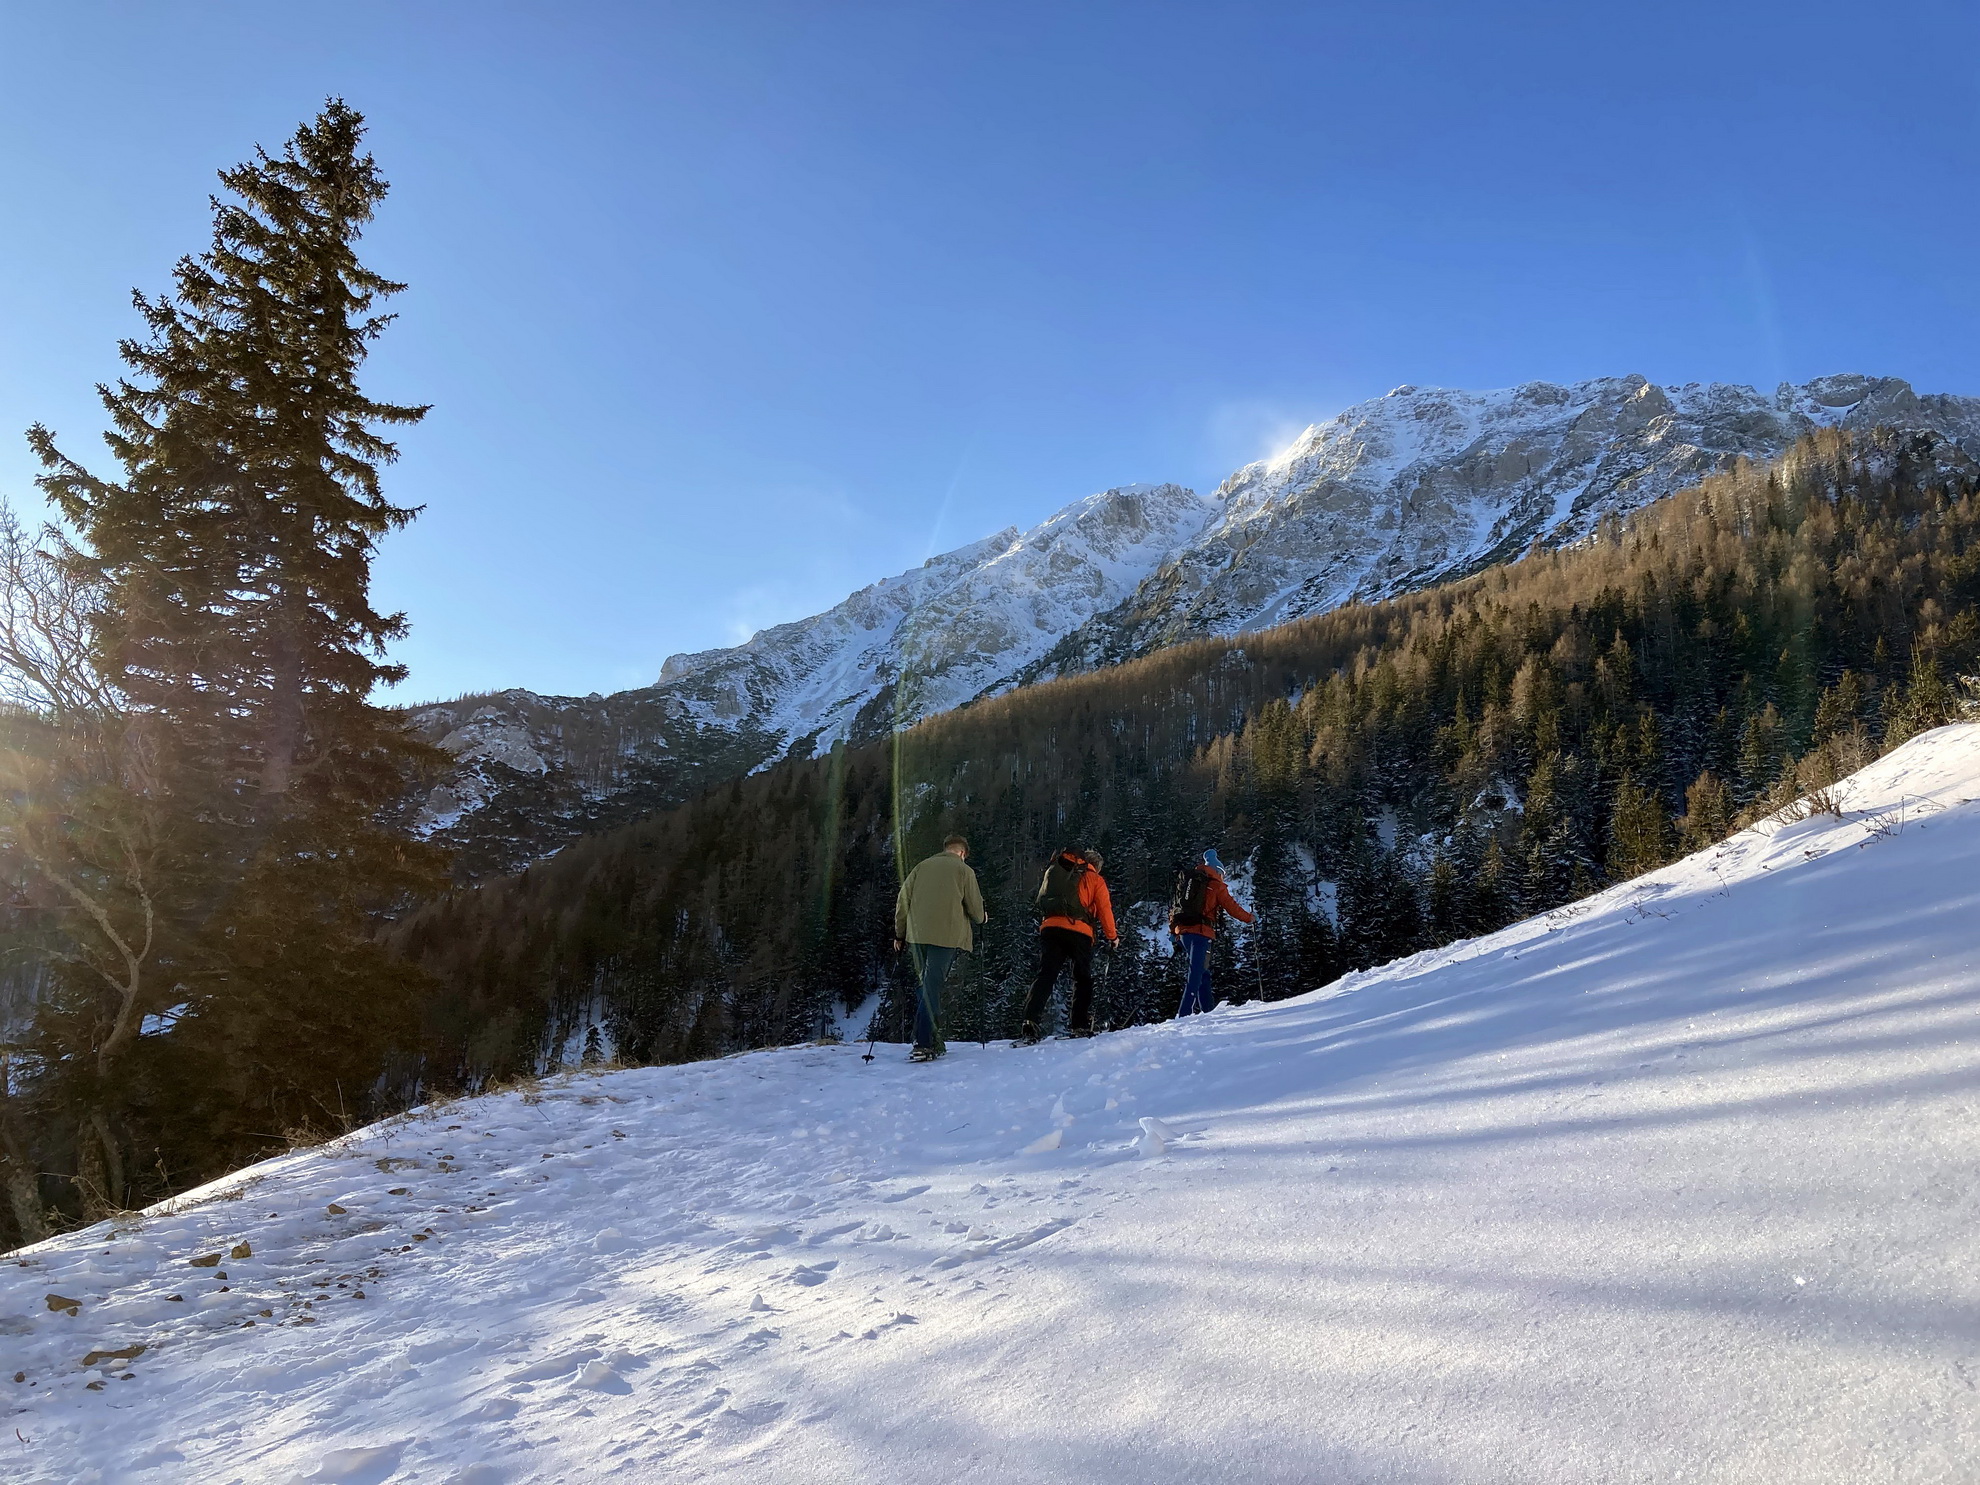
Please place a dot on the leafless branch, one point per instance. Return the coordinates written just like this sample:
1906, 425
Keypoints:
45, 610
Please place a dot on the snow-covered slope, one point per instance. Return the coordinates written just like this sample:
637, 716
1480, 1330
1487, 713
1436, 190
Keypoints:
1427, 484
1675, 1184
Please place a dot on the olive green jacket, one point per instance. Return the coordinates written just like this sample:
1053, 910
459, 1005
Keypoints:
938, 902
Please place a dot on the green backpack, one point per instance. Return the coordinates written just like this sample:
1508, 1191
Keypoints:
1058, 894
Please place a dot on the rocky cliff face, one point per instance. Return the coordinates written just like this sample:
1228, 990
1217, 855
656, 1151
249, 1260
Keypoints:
1395, 494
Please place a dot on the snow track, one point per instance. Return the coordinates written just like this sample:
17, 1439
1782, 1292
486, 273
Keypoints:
1676, 1184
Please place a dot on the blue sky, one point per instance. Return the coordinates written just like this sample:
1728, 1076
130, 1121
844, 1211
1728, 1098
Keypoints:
726, 309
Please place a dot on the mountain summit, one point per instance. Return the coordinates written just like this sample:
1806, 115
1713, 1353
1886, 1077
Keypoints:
1395, 494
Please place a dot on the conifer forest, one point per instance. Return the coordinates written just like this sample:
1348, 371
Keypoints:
230, 947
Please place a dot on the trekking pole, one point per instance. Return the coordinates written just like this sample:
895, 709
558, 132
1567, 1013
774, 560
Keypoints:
1106, 978
983, 1001
873, 1021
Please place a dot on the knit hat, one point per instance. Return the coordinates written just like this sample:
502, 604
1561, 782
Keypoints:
1210, 860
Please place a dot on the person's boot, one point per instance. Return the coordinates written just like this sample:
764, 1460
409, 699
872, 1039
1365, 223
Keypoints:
1079, 1031
1027, 1035
925, 1054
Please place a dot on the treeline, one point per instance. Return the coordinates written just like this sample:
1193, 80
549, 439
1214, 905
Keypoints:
1393, 776
193, 864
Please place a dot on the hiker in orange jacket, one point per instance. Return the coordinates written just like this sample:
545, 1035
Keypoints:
1074, 902
1193, 922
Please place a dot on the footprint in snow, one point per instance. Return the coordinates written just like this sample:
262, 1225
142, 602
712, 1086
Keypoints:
826, 1234
977, 1250
494, 1410
421, 1352
365, 1465
750, 1416
757, 1241
814, 1274
555, 1366
599, 1376
708, 1404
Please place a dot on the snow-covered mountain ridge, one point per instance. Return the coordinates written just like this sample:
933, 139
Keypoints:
1425, 485
1395, 494
1671, 1184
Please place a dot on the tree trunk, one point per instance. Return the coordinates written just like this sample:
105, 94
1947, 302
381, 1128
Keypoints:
23, 1187
92, 1180
282, 732
114, 1192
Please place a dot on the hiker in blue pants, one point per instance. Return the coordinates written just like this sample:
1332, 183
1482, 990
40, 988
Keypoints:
1201, 897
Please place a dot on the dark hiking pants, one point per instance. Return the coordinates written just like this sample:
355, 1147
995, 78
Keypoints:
932, 963
1059, 947
1196, 987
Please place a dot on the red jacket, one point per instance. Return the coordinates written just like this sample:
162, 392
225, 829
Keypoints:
1099, 905
1217, 900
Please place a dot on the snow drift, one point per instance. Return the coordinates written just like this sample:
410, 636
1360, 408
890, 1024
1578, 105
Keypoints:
1676, 1183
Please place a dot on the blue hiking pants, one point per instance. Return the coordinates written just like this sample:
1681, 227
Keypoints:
932, 963
1196, 988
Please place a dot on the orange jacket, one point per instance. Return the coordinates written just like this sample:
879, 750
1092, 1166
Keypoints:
1099, 905
1217, 900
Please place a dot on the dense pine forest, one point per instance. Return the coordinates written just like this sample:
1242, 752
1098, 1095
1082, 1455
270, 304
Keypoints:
1392, 776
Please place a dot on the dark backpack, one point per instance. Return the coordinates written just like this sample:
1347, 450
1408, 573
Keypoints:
1058, 894
1189, 902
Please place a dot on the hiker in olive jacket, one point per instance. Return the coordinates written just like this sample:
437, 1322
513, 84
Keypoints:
1074, 902
938, 903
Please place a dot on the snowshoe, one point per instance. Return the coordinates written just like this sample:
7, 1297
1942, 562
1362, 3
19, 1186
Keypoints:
926, 1054
1027, 1036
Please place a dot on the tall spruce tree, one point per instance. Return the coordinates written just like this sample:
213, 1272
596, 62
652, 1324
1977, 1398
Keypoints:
235, 624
